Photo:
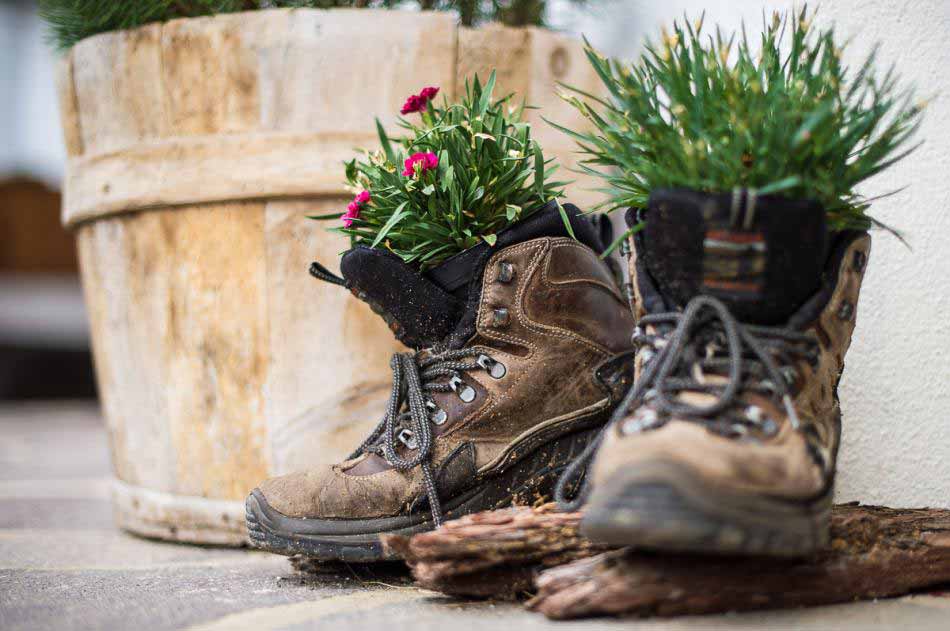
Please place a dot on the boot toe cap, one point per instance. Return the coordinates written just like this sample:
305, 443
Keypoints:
329, 493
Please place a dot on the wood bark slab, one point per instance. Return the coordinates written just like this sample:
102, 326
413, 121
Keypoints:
875, 552
495, 553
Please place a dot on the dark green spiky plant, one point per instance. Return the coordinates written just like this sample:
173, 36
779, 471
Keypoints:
719, 112
73, 20
463, 172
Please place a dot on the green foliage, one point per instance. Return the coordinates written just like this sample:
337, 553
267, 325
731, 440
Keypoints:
72, 20
714, 113
490, 174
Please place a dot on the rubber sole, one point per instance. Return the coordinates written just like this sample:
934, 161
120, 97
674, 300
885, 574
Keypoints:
664, 506
357, 540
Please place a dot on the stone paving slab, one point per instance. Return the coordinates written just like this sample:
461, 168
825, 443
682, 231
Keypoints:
63, 565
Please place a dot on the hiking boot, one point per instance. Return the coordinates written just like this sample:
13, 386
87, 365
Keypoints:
522, 351
728, 441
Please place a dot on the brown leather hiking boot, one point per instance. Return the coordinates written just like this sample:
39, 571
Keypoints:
728, 441
523, 351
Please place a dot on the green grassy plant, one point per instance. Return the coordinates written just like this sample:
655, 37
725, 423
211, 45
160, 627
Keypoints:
489, 174
717, 112
73, 20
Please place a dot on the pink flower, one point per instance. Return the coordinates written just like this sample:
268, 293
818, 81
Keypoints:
413, 104
427, 160
417, 102
354, 207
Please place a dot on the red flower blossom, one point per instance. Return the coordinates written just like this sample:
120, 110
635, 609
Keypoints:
354, 207
428, 161
417, 102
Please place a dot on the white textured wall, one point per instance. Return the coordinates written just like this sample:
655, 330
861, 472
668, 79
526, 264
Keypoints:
896, 389
30, 138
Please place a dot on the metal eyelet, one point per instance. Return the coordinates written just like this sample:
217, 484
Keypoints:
494, 367
407, 438
859, 260
846, 310
500, 317
506, 272
643, 419
754, 414
630, 426
436, 414
789, 374
464, 391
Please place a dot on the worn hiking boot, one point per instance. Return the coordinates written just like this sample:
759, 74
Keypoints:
728, 441
523, 351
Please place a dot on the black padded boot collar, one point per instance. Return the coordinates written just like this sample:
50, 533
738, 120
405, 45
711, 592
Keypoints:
762, 256
438, 306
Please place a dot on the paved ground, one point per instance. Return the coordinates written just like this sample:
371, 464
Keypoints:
64, 566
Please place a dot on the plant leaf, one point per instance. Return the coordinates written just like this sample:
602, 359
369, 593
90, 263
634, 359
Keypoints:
393, 220
565, 219
384, 142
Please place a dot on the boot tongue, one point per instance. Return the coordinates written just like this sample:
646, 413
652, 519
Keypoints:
762, 256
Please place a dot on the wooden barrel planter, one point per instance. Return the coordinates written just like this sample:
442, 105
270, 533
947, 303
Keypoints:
196, 148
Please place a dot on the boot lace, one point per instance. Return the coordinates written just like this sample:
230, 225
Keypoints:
411, 412
703, 340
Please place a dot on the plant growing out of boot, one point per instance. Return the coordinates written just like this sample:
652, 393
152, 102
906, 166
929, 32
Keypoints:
748, 242
463, 172
520, 336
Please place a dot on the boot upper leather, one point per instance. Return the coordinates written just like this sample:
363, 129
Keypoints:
551, 313
790, 463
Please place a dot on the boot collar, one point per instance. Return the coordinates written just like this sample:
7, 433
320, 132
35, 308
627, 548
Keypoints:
762, 257
438, 307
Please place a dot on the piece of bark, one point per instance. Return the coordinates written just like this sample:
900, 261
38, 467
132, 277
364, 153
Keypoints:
495, 553
874, 552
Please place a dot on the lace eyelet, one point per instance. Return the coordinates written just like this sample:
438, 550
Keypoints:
464, 391
407, 438
506, 272
789, 375
859, 260
493, 367
642, 420
739, 430
436, 414
500, 317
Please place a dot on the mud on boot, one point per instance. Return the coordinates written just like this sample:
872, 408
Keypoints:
727, 443
522, 352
